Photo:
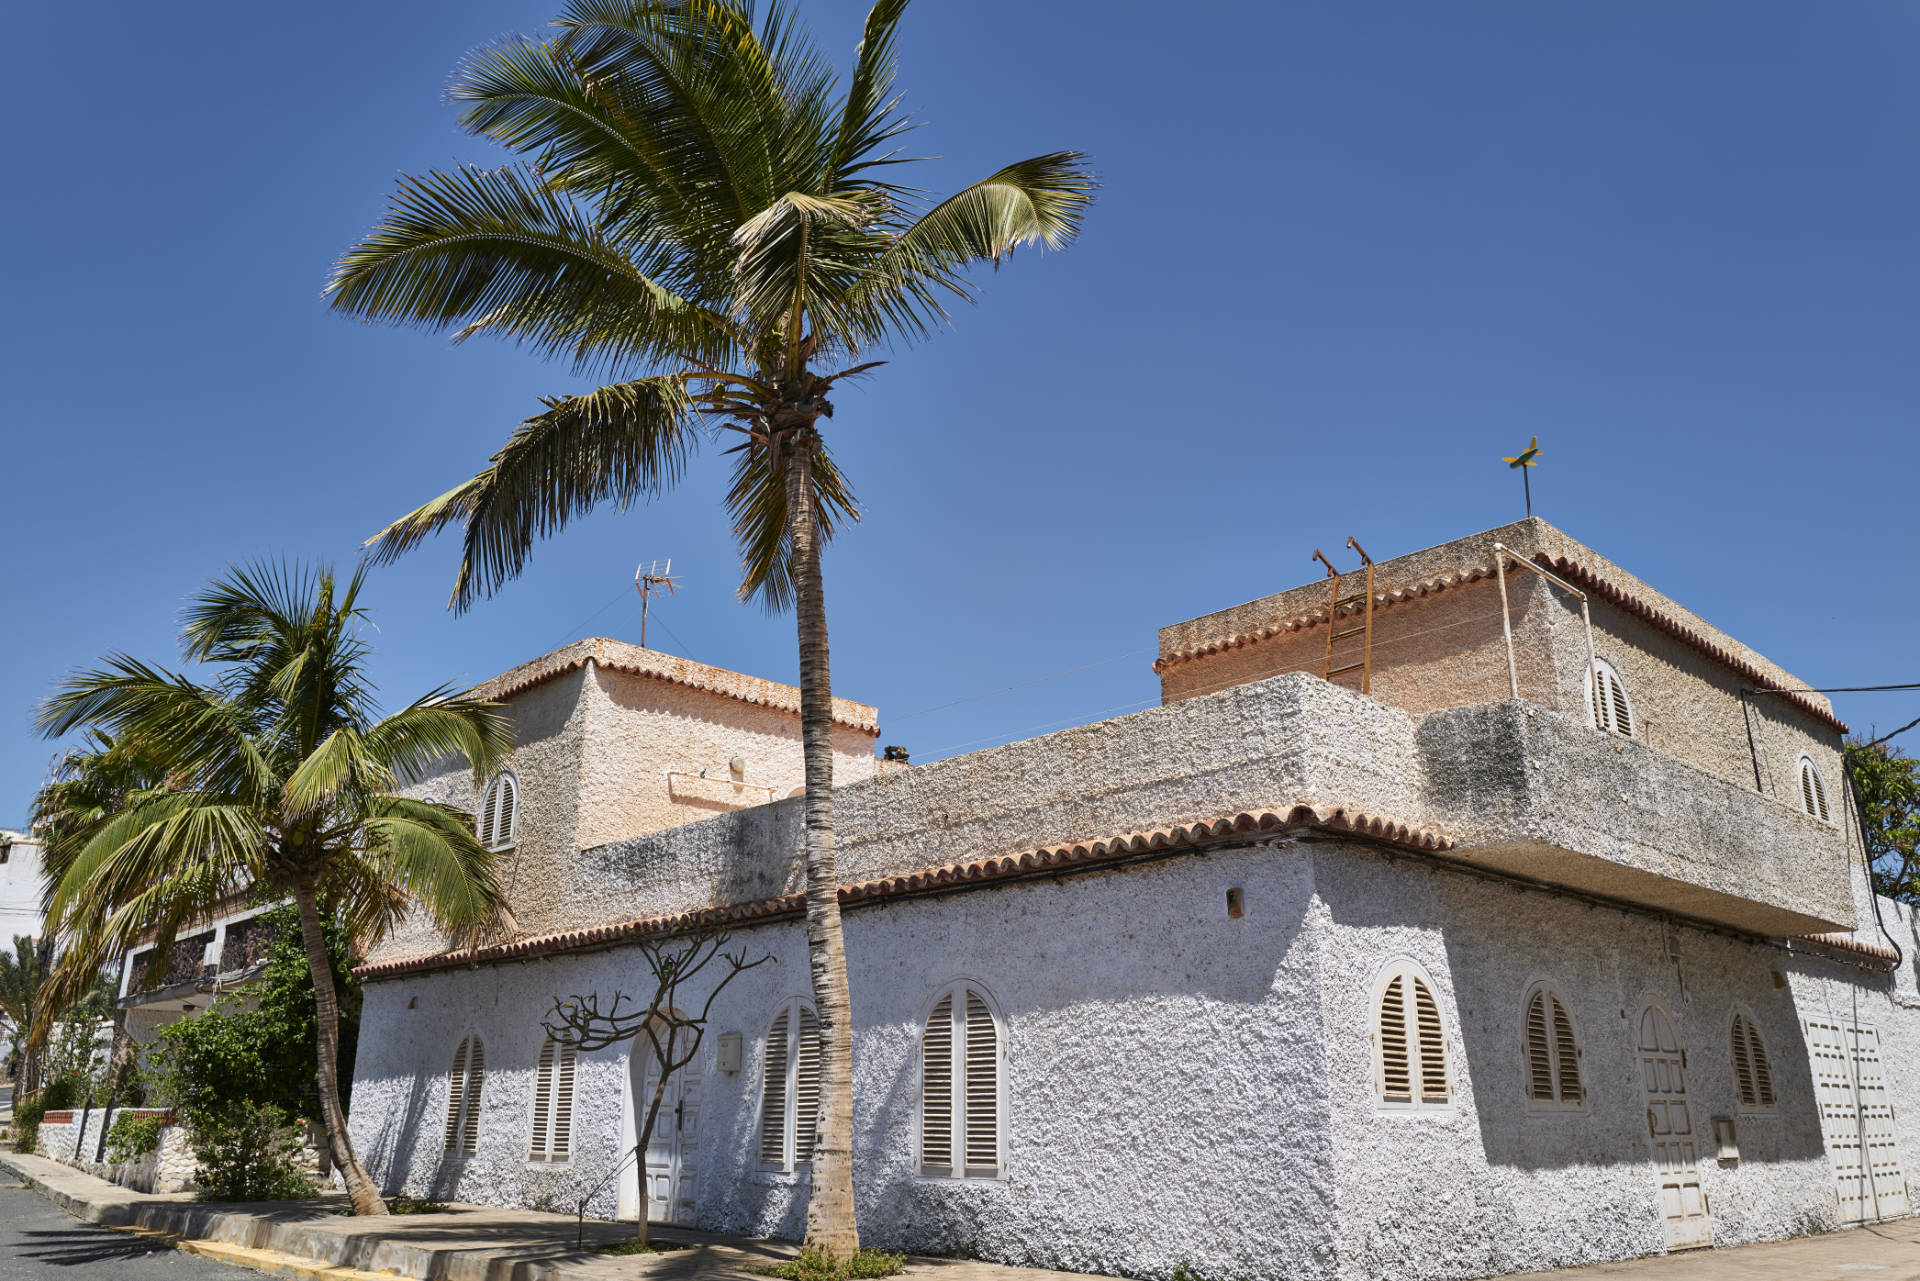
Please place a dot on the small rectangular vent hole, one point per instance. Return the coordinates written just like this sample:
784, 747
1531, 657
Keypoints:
1236, 902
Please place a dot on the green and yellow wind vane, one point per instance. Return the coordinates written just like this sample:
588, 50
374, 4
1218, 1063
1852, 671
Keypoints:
1529, 457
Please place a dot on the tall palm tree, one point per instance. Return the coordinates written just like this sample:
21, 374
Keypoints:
708, 216
277, 779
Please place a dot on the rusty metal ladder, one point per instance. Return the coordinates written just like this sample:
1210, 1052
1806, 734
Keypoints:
1363, 629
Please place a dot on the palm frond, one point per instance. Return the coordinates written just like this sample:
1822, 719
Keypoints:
1041, 201
757, 503
506, 252
624, 442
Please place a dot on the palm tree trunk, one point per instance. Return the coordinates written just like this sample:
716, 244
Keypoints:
832, 1222
326, 1007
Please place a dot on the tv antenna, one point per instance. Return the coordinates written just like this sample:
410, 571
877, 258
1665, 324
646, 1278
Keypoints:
654, 576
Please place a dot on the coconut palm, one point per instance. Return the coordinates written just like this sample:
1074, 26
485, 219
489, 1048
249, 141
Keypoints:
277, 780
708, 217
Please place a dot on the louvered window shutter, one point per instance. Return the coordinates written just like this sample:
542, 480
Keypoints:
1433, 1046
1813, 792
1566, 1055
1742, 1064
456, 1094
1395, 1070
563, 1103
476, 1084
982, 1089
1622, 715
773, 1095
806, 1087
487, 803
1539, 1057
509, 807
542, 1102
1762, 1070
936, 1089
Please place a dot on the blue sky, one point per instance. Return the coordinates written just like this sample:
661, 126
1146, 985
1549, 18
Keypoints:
1346, 255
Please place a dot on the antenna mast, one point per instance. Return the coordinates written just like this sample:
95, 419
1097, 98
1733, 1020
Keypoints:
654, 576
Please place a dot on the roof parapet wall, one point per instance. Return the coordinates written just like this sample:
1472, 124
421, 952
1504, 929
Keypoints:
1517, 788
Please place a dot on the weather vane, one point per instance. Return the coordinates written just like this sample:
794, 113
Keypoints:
1529, 457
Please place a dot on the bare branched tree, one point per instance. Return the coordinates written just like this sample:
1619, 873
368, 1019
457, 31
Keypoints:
661, 1027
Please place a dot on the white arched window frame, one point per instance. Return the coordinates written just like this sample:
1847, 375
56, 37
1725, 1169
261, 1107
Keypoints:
1550, 1052
466, 1079
1813, 789
790, 1087
1411, 1071
963, 1085
551, 1128
1752, 1069
1609, 707
499, 817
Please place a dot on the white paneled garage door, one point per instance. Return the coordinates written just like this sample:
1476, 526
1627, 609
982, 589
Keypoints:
1856, 1117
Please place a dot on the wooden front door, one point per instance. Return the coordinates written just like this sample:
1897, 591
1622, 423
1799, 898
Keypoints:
1856, 1119
672, 1157
1663, 1066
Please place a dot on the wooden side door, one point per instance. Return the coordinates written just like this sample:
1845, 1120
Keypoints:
1663, 1065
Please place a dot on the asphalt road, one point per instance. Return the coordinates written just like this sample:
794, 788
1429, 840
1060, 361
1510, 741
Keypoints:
38, 1242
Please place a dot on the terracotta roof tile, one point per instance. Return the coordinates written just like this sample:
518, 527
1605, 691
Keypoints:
978, 872
1571, 570
1574, 572
1848, 943
618, 656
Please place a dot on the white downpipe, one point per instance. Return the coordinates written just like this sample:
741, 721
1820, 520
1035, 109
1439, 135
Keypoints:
1503, 553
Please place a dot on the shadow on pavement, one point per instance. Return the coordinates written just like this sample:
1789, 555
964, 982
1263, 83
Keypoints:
72, 1247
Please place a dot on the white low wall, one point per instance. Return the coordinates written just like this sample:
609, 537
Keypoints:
169, 1168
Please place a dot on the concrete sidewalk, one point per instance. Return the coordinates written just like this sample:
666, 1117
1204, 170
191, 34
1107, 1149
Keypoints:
313, 1239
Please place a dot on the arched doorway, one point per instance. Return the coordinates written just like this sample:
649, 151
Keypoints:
672, 1156
1663, 1068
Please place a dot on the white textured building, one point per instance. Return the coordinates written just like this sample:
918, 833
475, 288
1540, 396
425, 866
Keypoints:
20, 887
1483, 970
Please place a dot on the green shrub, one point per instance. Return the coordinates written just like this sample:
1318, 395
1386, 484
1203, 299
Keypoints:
132, 1137
248, 1152
816, 1264
415, 1205
635, 1247
26, 1122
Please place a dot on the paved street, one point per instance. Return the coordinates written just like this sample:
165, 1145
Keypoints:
38, 1242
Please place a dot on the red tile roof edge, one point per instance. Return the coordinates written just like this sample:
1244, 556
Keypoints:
1426, 587
544, 675
1571, 570
1847, 943
1580, 575
980, 871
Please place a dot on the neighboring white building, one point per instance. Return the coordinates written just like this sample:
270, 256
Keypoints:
1553, 947
20, 887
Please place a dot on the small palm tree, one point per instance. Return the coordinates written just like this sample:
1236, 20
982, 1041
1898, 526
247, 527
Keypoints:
710, 215
23, 973
278, 780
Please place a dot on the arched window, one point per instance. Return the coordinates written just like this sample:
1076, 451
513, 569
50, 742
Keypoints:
553, 1102
1410, 1044
1553, 1055
1752, 1074
960, 1087
464, 1081
790, 1087
1607, 701
500, 812
1813, 790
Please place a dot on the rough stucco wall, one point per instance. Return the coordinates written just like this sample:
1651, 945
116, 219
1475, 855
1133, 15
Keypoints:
1447, 649
1289, 740
1434, 651
1485, 1186
1536, 793
639, 729
1180, 1073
